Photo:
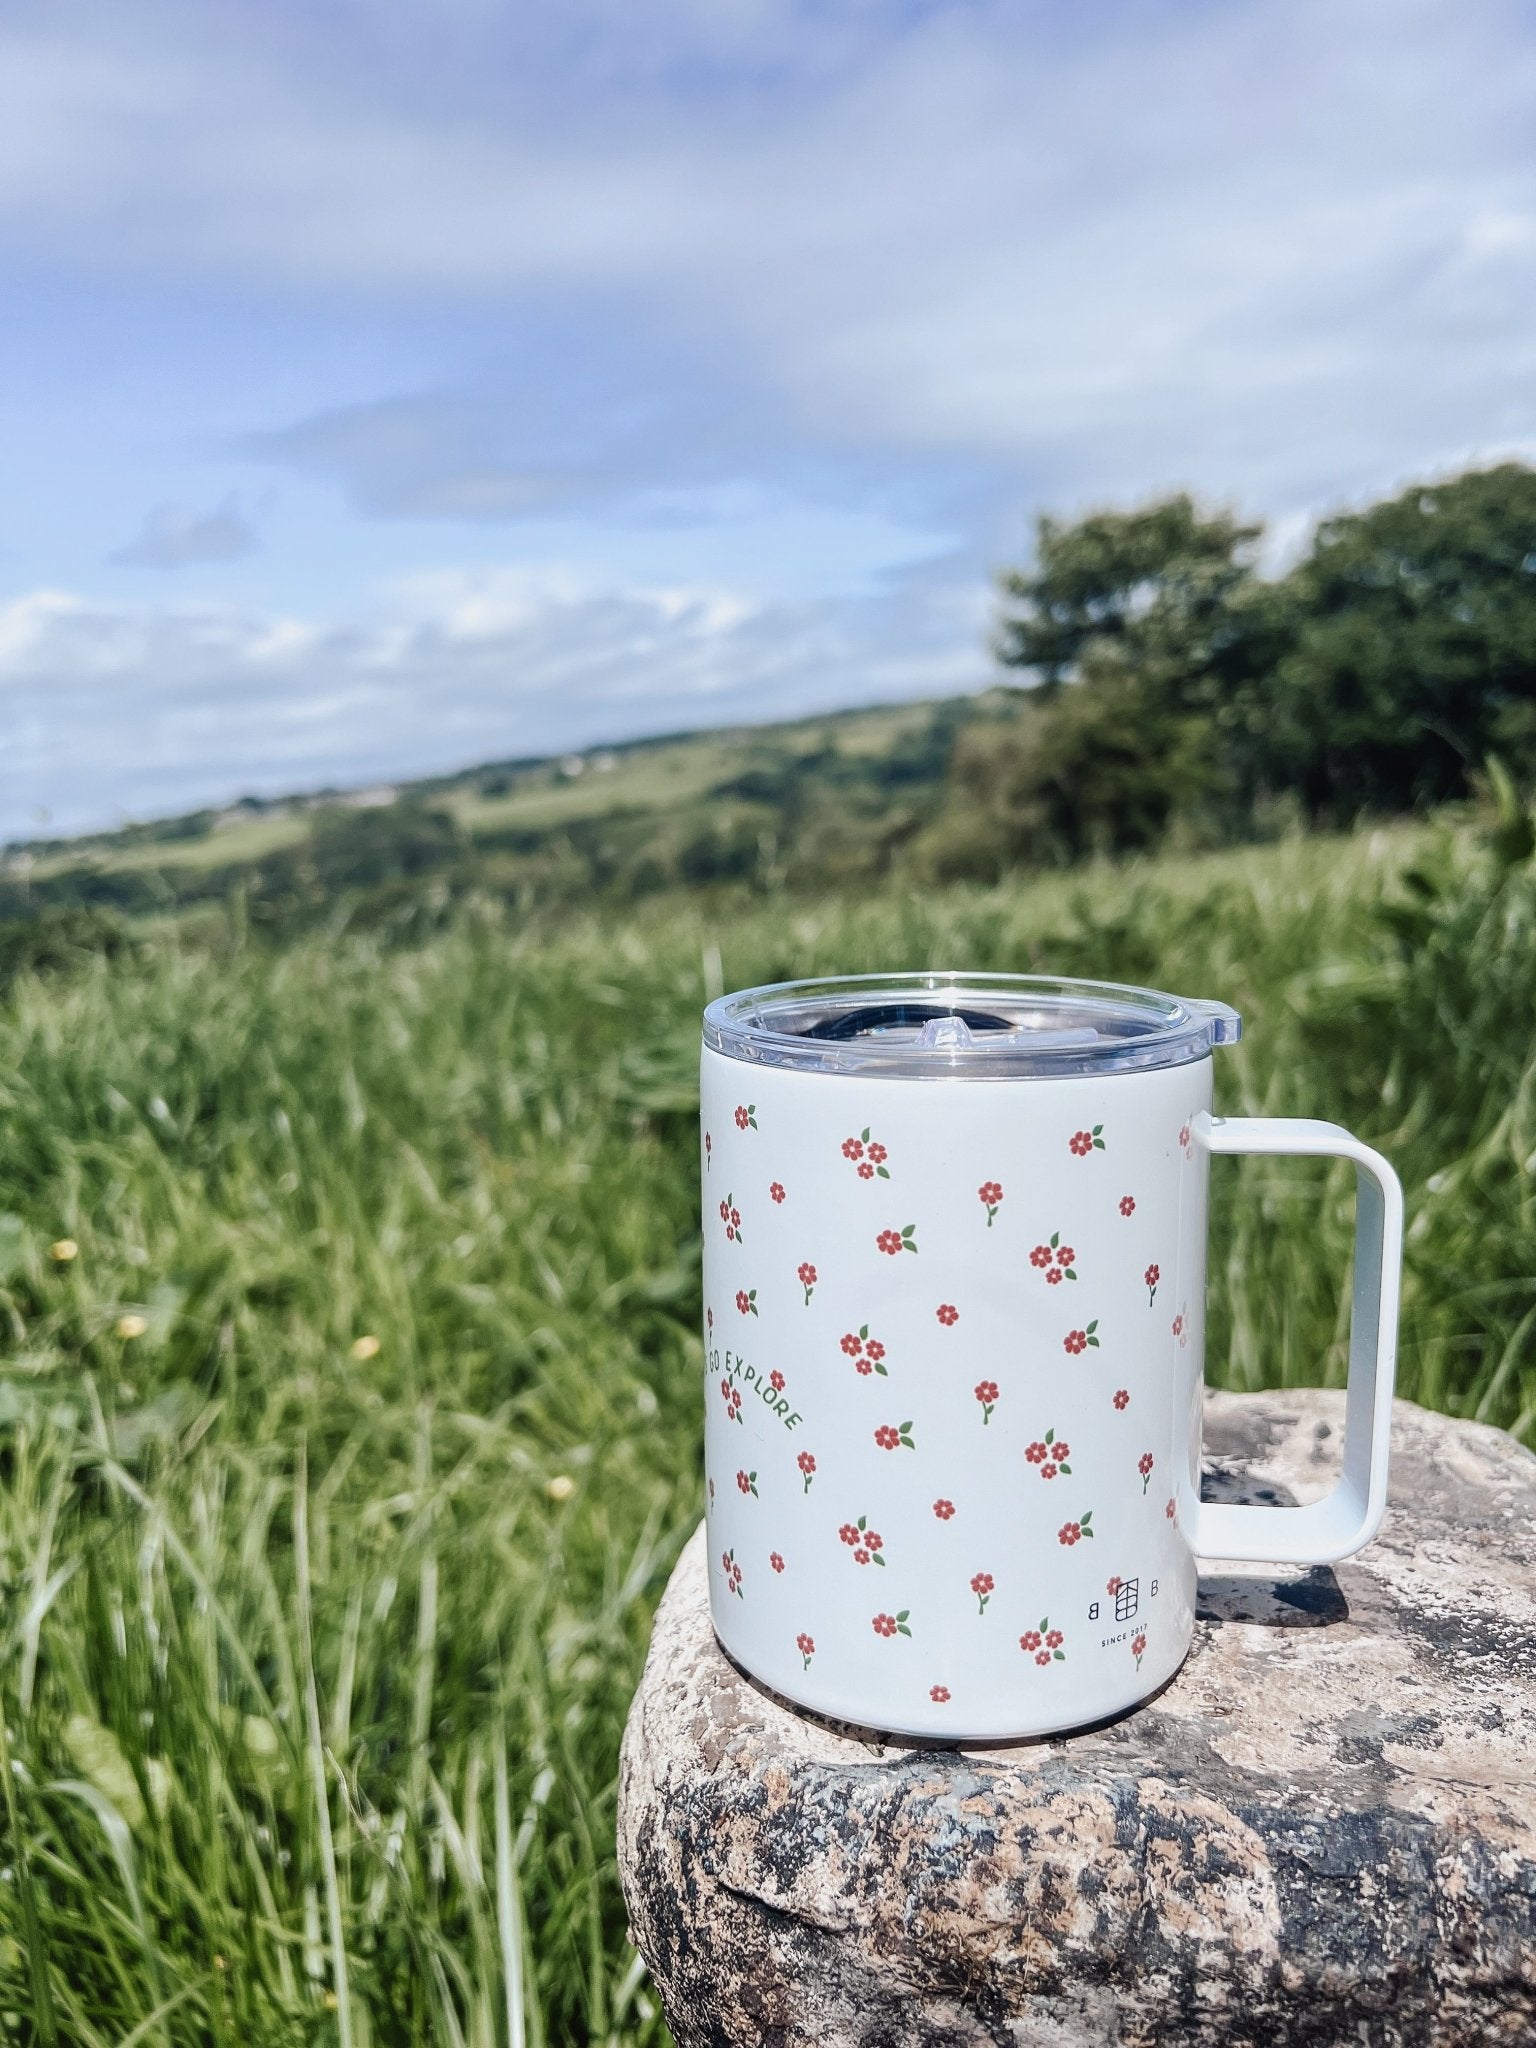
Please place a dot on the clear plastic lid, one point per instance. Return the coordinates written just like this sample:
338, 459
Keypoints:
943, 1027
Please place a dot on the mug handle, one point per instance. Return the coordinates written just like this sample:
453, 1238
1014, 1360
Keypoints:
1325, 1530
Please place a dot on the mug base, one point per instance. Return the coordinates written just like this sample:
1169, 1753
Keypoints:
849, 1717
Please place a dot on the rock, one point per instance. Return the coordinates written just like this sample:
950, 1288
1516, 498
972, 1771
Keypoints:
1322, 1831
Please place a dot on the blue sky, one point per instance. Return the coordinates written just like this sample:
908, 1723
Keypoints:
386, 388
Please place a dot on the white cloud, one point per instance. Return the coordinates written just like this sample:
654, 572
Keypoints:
465, 667
1276, 248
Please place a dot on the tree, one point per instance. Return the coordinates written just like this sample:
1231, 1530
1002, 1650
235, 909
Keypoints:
1162, 587
1100, 768
1147, 634
1415, 648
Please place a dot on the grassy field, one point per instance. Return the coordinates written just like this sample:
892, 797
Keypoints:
649, 777
346, 1456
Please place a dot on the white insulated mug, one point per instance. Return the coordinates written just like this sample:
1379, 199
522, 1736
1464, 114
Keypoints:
954, 1283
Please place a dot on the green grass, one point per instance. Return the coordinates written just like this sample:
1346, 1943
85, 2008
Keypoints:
314, 1665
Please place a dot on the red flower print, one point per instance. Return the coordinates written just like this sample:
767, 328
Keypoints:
889, 1435
1181, 1328
1149, 1280
1112, 1586
806, 1645
1084, 1142
1076, 1341
732, 1571
709, 1150
870, 1154
867, 1543
746, 1300
894, 1241
944, 1509
1073, 1532
861, 1557
736, 1220
1138, 1649
1145, 1469
1177, 1325
1184, 1136
730, 1393
807, 1276
990, 1195
807, 1466
986, 1394
775, 1560
776, 1380
892, 1624
939, 1694
876, 1542
849, 1533
776, 1190
725, 1212
1051, 1638
1127, 1205
981, 1586
746, 1113
947, 1314
1050, 1455
865, 1351
1122, 1397
1056, 1260
747, 1482
1172, 1510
